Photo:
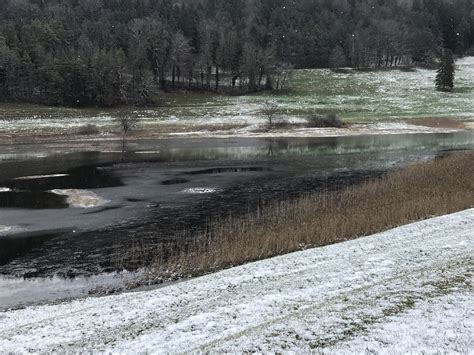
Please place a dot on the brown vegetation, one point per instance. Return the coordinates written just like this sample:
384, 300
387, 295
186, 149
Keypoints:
325, 121
87, 129
419, 191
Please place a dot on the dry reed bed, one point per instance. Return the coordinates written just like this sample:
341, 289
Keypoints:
419, 191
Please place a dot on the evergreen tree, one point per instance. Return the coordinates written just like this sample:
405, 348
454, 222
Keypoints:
445, 75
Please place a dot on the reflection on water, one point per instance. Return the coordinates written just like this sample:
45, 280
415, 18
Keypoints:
87, 177
29, 184
251, 148
32, 200
56, 190
49, 159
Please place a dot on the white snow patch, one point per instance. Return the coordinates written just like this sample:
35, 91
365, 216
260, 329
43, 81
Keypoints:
201, 190
465, 61
81, 198
4, 229
340, 298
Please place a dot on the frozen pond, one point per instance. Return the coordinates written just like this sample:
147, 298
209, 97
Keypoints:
73, 211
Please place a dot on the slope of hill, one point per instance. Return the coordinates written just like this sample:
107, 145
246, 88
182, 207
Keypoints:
408, 289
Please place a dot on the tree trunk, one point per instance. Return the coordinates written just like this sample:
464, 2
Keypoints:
234, 79
162, 79
190, 77
260, 77
173, 75
208, 77
252, 83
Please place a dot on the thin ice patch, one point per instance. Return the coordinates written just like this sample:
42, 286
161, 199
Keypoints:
34, 177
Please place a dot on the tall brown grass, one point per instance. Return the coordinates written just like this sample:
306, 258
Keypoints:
417, 192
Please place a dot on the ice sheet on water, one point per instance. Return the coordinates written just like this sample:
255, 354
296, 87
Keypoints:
35, 177
81, 198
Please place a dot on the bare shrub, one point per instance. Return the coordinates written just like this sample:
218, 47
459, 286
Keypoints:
282, 124
269, 111
126, 124
325, 121
88, 129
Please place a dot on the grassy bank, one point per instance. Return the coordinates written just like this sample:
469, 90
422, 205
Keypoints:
417, 192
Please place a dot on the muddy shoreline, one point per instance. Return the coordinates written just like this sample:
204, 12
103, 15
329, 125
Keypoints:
435, 125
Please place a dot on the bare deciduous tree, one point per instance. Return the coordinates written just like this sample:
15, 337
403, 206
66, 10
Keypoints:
126, 124
269, 111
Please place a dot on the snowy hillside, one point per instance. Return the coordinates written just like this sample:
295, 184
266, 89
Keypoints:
408, 289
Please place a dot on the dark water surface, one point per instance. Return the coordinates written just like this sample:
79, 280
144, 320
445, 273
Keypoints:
161, 187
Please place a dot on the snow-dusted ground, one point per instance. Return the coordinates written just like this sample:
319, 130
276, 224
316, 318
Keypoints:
408, 289
361, 129
383, 97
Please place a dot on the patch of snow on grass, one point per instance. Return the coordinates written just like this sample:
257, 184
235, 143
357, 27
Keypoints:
445, 323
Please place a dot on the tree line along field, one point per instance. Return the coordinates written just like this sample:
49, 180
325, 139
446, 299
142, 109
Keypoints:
355, 96
122, 52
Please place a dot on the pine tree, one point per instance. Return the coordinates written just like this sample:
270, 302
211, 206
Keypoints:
445, 76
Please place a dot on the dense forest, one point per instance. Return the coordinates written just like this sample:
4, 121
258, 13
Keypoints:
112, 52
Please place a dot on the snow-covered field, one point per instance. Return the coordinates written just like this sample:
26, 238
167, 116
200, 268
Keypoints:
408, 289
